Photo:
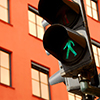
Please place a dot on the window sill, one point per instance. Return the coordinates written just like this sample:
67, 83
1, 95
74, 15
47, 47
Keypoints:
94, 19
6, 23
7, 86
35, 37
37, 97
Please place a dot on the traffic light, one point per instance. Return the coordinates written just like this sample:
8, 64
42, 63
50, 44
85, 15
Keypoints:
66, 39
67, 46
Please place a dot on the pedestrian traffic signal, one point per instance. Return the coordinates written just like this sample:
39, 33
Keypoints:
70, 45
67, 46
66, 38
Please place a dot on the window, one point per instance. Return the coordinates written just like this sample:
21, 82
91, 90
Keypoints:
74, 97
35, 26
96, 51
4, 10
92, 9
40, 86
5, 68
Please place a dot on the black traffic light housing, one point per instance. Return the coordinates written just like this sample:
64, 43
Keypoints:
69, 47
58, 38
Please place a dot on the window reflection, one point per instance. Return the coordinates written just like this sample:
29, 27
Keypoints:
35, 25
40, 85
4, 68
92, 9
96, 52
4, 10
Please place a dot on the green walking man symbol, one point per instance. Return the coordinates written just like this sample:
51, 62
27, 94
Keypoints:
68, 44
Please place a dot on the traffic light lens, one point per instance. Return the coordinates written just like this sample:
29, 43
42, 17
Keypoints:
67, 17
72, 52
69, 48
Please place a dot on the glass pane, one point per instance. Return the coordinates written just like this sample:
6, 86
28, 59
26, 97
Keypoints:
93, 5
78, 97
96, 60
35, 74
3, 3
4, 59
44, 91
32, 28
31, 16
44, 78
71, 96
99, 51
88, 2
94, 49
35, 88
89, 11
39, 20
40, 32
99, 61
4, 14
95, 16
5, 77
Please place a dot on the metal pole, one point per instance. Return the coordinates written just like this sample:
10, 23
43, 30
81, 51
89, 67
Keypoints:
94, 80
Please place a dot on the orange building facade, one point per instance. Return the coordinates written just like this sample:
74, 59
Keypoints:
24, 65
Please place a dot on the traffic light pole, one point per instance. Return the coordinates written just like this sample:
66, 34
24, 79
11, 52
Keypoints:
83, 79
